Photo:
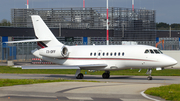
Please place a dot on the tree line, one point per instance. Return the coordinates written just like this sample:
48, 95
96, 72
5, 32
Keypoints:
165, 26
5, 22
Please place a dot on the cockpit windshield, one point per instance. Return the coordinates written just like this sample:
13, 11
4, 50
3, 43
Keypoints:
146, 51
160, 51
156, 51
153, 51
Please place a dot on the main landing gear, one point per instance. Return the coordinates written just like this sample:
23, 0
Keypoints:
106, 75
78, 74
149, 71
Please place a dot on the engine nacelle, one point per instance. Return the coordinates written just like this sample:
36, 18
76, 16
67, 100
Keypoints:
54, 52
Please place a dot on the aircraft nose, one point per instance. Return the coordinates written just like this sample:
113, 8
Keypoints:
171, 61
167, 61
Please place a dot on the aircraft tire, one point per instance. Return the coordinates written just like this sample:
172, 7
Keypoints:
80, 76
105, 75
149, 78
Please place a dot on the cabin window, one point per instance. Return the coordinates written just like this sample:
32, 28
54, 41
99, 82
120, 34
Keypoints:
119, 54
123, 54
103, 54
115, 54
99, 54
94, 54
111, 54
156, 51
151, 51
107, 54
90, 54
146, 51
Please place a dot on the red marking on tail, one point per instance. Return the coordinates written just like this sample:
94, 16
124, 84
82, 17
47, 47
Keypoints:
40, 45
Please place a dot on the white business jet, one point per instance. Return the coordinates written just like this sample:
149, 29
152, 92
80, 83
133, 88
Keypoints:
94, 57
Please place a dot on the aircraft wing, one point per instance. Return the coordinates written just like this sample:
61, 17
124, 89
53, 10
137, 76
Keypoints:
89, 66
50, 67
32, 40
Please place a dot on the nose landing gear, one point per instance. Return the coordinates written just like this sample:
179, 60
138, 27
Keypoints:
149, 71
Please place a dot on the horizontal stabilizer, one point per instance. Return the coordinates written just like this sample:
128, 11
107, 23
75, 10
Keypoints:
32, 40
50, 67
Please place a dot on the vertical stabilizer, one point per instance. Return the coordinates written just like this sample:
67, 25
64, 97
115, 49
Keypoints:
43, 32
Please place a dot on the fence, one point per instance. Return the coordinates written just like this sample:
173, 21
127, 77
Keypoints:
21, 52
18, 52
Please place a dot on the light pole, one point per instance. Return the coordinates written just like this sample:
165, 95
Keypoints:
107, 35
27, 4
83, 4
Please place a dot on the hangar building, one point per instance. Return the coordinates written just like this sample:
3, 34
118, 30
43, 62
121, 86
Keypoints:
124, 24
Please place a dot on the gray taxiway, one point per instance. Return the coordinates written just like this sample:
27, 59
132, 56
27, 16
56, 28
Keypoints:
82, 91
116, 88
113, 78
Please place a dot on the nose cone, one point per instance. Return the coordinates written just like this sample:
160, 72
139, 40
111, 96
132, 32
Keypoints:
169, 61
172, 62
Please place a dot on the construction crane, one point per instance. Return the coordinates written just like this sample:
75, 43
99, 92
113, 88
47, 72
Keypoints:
162, 41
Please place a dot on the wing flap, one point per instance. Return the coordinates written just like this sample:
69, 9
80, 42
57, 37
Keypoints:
32, 40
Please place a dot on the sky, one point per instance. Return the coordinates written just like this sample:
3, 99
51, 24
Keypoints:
166, 10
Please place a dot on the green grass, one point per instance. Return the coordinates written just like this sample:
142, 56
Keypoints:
170, 92
166, 72
134, 72
11, 82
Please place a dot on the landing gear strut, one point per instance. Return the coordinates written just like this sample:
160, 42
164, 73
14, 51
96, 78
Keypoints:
149, 71
106, 75
78, 74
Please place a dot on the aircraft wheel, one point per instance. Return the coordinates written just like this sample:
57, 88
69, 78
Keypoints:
105, 75
149, 78
80, 76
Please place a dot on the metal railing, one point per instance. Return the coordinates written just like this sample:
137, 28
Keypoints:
17, 52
